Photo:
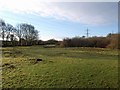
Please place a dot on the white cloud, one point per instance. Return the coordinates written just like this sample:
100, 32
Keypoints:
85, 13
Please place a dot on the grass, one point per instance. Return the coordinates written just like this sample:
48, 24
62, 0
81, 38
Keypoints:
60, 68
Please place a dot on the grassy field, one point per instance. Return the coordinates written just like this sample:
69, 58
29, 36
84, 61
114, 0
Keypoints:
59, 68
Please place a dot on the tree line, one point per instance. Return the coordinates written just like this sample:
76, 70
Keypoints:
22, 34
110, 41
25, 35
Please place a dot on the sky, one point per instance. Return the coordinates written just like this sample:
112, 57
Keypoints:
61, 19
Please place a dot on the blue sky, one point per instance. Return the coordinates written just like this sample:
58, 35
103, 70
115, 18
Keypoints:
62, 19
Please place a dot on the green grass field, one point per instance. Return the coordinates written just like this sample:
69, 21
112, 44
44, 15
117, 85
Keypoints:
59, 68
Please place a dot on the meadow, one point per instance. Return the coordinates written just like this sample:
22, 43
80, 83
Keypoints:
60, 67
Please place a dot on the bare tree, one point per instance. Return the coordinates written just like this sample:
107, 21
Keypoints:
2, 29
27, 32
19, 33
10, 30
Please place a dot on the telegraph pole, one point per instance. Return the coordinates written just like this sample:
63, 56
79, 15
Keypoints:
112, 32
87, 34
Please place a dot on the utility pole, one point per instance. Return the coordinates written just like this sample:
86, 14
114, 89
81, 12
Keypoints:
87, 34
112, 32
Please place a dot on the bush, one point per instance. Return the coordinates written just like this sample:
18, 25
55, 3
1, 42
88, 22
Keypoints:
101, 42
114, 41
